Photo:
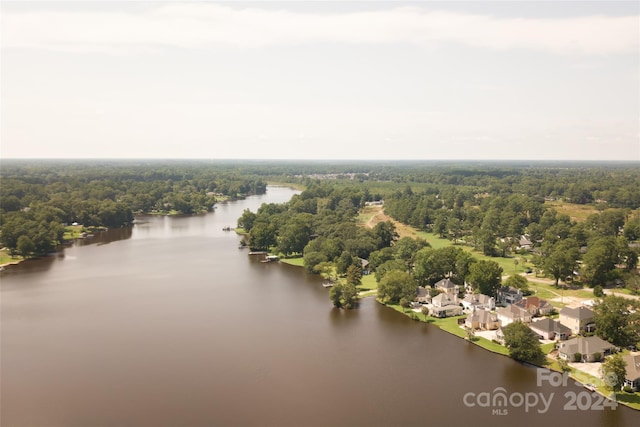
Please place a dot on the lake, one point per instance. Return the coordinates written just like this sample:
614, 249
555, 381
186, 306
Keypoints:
169, 323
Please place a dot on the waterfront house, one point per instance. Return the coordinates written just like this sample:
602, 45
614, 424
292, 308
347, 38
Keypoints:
513, 313
578, 319
445, 305
508, 295
586, 349
632, 376
535, 306
423, 296
549, 329
482, 319
474, 302
447, 286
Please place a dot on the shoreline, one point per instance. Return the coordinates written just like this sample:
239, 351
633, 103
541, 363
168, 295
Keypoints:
578, 376
444, 325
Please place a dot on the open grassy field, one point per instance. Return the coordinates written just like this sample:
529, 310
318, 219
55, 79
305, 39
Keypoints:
5, 258
371, 215
298, 262
72, 232
576, 212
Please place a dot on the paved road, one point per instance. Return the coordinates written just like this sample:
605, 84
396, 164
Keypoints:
620, 294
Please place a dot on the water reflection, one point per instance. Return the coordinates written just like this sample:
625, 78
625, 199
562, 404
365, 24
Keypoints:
174, 326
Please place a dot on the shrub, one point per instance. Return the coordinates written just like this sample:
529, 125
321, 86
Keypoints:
577, 357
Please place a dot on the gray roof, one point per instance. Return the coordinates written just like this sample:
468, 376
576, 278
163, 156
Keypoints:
513, 311
477, 299
585, 345
482, 316
444, 298
446, 284
550, 325
633, 366
581, 313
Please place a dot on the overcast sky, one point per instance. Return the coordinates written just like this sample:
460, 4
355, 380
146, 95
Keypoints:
321, 80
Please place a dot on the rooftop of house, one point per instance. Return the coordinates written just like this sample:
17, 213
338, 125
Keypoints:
633, 366
483, 316
581, 313
445, 284
477, 299
444, 299
550, 325
512, 311
585, 345
532, 302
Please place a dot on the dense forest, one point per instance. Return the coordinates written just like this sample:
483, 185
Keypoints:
39, 198
500, 209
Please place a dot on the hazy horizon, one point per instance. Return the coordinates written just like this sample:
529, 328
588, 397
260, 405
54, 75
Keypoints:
422, 80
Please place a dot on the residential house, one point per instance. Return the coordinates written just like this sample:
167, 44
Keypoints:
447, 286
445, 305
588, 349
482, 319
513, 313
365, 266
524, 243
508, 295
474, 302
549, 329
578, 319
423, 296
535, 306
632, 377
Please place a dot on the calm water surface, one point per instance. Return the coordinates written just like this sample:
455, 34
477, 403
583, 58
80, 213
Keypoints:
170, 324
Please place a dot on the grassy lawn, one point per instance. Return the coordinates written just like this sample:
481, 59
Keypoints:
547, 348
549, 291
298, 262
507, 264
368, 283
72, 232
576, 212
629, 399
5, 258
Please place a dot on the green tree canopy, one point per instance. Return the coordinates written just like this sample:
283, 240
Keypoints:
485, 276
522, 343
614, 372
617, 320
396, 285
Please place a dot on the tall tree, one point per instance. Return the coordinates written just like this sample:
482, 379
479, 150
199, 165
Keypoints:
617, 320
560, 259
522, 343
614, 371
395, 286
600, 260
485, 276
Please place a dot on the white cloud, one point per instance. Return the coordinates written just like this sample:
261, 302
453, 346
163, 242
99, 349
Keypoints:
200, 25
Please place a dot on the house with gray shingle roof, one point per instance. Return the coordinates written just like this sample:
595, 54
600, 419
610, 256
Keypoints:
513, 313
508, 295
482, 319
578, 319
550, 329
447, 286
474, 302
632, 376
588, 348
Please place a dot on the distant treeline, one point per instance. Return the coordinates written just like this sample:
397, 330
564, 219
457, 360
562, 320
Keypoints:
38, 197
